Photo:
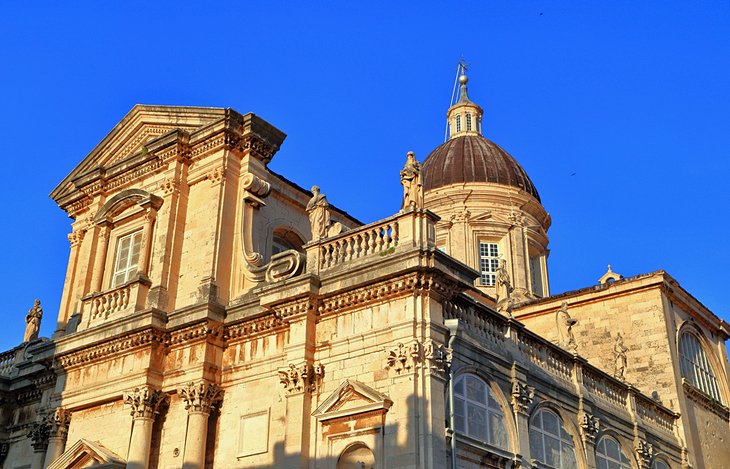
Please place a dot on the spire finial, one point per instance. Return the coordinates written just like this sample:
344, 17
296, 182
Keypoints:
463, 79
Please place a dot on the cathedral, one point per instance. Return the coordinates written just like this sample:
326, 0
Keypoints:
217, 315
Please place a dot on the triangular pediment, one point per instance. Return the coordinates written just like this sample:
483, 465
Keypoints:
350, 398
91, 454
142, 125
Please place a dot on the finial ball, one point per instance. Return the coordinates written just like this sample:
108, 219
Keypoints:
463, 79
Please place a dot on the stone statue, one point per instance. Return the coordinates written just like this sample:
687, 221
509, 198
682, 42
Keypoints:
33, 322
410, 178
565, 328
619, 354
504, 289
319, 214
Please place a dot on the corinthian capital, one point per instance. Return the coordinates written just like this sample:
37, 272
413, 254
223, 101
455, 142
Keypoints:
39, 434
57, 421
200, 396
144, 402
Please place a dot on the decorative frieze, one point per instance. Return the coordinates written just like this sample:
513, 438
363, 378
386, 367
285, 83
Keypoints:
124, 344
201, 396
194, 332
522, 397
260, 325
302, 378
145, 402
589, 426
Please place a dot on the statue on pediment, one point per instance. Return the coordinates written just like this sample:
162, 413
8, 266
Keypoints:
33, 322
410, 178
565, 325
504, 289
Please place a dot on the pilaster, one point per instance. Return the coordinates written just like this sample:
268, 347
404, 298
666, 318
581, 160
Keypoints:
144, 403
522, 397
200, 398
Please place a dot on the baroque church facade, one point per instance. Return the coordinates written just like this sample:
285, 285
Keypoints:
217, 315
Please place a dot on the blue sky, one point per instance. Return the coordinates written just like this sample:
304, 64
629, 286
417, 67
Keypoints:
618, 110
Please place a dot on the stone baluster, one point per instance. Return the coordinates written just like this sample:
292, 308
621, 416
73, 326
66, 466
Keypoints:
101, 249
144, 403
57, 421
199, 399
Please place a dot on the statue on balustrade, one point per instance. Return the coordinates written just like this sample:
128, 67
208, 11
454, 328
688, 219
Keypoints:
410, 178
620, 360
33, 322
319, 217
504, 289
565, 325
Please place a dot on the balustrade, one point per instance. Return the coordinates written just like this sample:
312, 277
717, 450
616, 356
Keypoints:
100, 307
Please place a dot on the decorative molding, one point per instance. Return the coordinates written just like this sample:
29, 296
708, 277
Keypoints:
402, 358
76, 237
438, 357
522, 397
295, 307
260, 325
201, 396
145, 402
195, 332
215, 176
589, 427
169, 185
706, 401
31, 395
123, 344
302, 378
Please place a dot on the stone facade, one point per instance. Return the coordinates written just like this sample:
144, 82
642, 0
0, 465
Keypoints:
202, 327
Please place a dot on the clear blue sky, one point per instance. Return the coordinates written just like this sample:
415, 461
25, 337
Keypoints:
618, 110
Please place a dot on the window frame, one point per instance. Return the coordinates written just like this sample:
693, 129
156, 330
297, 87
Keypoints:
562, 440
700, 374
600, 446
130, 270
488, 409
458, 122
487, 276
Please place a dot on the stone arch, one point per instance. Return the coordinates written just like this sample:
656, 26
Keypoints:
356, 455
124, 200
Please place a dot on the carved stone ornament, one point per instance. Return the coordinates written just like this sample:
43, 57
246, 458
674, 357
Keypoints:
76, 237
522, 397
438, 356
144, 402
302, 378
283, 265
410, 178
644, 453
504, 290
619, 357
58, 421
565, 324
200, 396
589, 426
33, 322
402, 358
39, 434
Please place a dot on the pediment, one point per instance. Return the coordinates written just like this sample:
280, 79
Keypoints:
142, 125
91, 454
350, 398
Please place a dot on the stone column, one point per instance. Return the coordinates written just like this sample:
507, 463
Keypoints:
150, 215
199, 399
144, 403
39, 440
522, 397
58, 422
101, 247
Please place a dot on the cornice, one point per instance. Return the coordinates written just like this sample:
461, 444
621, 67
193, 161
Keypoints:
705, 401
113, 347
247, 328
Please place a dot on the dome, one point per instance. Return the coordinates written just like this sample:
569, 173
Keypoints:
473, 158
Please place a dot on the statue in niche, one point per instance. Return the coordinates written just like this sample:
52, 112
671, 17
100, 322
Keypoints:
619, 357
410, 178
565, 325
33, 322
319, 214
504, 289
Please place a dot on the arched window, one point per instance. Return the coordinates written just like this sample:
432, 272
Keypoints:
458, 122
696, 367
609, 455
659, 464
284, 239
477, 413
550, 443
468, 121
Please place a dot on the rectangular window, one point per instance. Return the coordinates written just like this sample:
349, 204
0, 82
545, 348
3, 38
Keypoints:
488, 263
125, 263
468, 121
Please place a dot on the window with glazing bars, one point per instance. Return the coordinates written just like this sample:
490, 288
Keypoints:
458, 122
695, 366
488, 263
468, 121
125, 264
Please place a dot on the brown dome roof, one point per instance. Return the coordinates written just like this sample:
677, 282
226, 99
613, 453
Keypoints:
473, 158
